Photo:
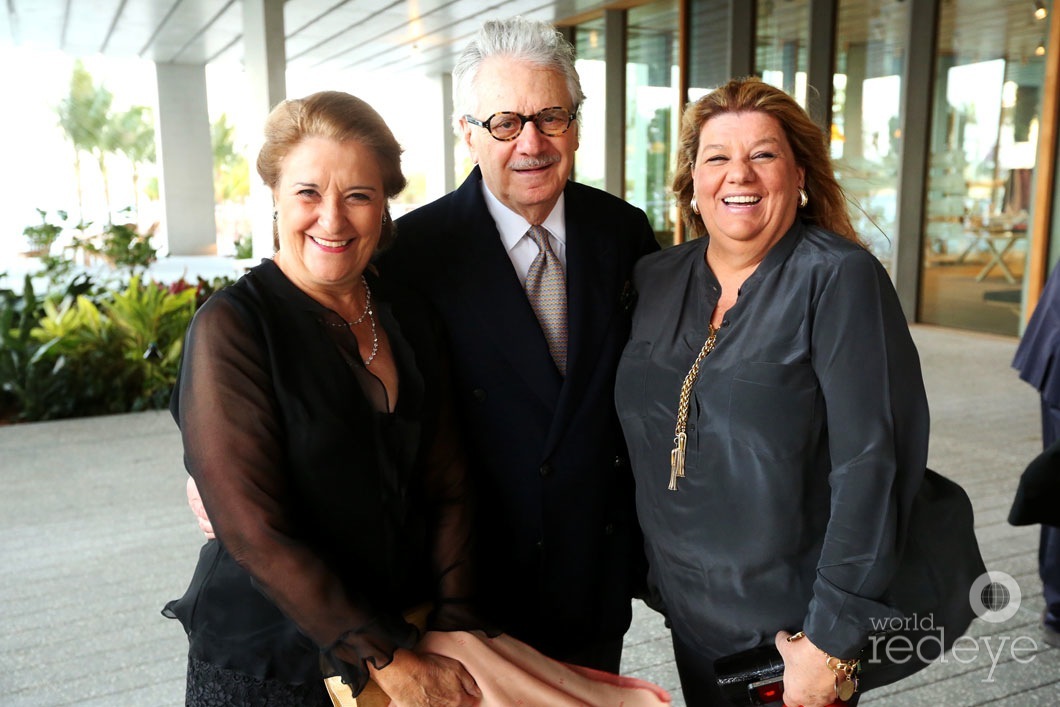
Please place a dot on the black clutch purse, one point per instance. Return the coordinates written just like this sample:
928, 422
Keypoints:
751, 677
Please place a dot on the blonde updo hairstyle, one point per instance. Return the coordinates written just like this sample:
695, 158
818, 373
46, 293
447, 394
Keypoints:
827, 205
337, 116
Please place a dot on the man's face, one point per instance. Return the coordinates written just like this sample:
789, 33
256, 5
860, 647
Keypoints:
528, 173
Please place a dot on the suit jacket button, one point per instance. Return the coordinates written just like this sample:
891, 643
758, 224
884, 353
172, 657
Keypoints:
546, 470
540, 544
479, 395
609, 529
620, 461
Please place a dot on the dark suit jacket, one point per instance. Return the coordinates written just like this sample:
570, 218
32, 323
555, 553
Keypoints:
1036, 360
1039, 346
560, 552
1038, 491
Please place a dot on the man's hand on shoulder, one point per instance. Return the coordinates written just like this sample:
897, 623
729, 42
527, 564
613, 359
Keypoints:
195, 501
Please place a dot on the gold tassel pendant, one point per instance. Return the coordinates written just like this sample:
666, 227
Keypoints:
677, 454
677, 460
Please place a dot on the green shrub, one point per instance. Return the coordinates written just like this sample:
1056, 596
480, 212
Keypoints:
244, 248
82, 349
43, 235
41, 238
123, 247
33, 382
124, 351
153, 320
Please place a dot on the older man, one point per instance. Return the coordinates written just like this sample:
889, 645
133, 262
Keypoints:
531, 273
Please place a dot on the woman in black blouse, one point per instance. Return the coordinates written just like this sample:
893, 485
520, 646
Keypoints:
315, 417
773, 404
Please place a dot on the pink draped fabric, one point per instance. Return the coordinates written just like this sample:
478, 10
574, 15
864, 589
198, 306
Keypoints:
512, 674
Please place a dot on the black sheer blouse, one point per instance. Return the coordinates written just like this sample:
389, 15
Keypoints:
333, 515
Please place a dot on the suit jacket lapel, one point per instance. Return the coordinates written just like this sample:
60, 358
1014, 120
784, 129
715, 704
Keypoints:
591, 264
490, 291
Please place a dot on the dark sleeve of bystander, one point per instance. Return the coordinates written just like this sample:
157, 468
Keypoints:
1038, 491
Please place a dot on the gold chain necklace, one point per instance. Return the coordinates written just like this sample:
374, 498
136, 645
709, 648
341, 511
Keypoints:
677, 454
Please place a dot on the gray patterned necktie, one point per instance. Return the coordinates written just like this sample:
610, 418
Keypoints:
546, 288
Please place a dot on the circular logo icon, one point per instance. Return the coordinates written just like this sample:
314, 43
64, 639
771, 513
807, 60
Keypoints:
995, 597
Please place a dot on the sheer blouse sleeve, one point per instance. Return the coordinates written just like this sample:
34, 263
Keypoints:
234, 448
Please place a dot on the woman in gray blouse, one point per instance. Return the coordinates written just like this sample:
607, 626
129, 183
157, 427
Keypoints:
773, 404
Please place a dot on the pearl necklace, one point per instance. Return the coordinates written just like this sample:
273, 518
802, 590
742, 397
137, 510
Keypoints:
371, 320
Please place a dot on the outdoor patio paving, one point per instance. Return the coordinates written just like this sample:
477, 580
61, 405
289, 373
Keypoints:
95, 537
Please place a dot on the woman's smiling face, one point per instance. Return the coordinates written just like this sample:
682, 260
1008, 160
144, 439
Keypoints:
745, 176
329, 212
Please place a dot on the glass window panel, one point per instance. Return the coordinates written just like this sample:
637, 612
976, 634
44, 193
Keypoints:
865, 135
589, 161
709, 48
989, 83
781, 36
652, 115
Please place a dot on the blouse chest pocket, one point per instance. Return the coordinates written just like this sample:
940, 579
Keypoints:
633, 368
774, 408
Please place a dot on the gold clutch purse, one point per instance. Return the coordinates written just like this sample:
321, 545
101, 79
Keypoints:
372, 695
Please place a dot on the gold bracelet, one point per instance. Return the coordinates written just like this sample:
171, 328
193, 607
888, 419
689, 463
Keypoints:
845, 671
846, 676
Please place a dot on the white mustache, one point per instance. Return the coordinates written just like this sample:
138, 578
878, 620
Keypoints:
534, 162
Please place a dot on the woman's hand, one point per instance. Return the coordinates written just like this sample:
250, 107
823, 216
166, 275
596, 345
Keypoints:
808, 681
426, 680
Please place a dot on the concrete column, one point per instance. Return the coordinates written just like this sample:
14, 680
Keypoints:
448, 136
615, 102
265, 61
186, 160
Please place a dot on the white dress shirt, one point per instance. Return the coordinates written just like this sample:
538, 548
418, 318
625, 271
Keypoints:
513, 227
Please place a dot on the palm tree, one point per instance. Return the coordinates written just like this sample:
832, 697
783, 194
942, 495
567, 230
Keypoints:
231, 181
231, 173
133, 135
83, 115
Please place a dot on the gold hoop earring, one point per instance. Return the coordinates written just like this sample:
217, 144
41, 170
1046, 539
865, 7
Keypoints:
694, 206
804, 198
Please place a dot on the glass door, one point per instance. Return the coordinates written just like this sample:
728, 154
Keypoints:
781, 37
653, 113
865, 135
989, 82
589, 160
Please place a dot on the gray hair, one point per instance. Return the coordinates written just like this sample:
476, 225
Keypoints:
532, 41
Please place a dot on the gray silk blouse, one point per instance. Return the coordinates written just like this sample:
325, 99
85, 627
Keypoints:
807, 440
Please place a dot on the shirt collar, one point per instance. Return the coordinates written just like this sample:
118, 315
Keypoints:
513, 227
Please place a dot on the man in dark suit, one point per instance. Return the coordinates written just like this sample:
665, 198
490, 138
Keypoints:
559, 549
1038, 361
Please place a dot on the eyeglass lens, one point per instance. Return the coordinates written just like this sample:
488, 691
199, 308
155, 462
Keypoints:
551, 121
